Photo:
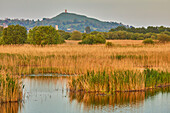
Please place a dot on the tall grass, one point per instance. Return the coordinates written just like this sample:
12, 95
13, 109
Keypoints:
73, 59
10, 88
121, 80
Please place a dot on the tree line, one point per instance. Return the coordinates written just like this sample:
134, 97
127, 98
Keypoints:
149, 29
46, 35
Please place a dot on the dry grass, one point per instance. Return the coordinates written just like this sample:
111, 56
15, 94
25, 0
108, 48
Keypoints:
71, 58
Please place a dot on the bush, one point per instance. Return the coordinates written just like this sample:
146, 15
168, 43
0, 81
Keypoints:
1, 41
76, 35
140, 38
163, 38
93, 39
148, 41
43, 35
109, 44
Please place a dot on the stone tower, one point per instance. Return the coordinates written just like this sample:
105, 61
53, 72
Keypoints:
65, 10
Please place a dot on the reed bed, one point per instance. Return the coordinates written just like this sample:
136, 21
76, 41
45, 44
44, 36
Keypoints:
10, 89
73, 59
121, 80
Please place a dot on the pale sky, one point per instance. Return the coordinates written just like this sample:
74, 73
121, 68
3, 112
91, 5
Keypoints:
130, 12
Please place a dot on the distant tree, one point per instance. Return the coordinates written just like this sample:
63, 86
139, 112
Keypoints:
112, 35
1, 30
166, 32
87, 30
94, 32
93, 39
76, 35
121, 28
14, 34
163, 38
1, 41
64, 35
112, 30
152, 29
161, 29
43, 35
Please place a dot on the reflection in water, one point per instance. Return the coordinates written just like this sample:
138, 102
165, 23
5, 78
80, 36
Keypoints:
118, 99
9, 107
50, 94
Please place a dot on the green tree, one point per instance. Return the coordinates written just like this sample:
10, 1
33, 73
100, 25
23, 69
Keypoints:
64, 35
93, 39
163, 38
1, 30
76, 35
43, 35
1, 41
121, 28
14, 34
112, 30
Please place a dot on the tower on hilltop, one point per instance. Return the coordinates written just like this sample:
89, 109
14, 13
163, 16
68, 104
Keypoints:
65, 10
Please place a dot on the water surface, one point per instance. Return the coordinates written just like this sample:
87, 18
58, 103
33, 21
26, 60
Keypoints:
50, 95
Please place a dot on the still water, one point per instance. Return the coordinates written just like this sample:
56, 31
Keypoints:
50, 95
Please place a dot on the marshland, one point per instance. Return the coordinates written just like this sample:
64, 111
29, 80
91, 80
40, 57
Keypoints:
101, 72
128, 62
48, 93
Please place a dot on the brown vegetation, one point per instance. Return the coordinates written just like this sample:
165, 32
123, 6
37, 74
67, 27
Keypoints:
73, 59
77, 59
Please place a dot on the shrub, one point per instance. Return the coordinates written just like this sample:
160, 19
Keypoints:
93, 39
140, 38
76, 35
148, 41
1, 41
163, 38
109, 44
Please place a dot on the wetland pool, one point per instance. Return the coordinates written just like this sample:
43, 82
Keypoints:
50, 95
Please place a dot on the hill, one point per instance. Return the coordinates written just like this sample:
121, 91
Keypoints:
67, 22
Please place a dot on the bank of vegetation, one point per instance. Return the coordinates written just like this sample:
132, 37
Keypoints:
121, 80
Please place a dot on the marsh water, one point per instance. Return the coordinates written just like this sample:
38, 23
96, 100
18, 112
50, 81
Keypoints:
50, 95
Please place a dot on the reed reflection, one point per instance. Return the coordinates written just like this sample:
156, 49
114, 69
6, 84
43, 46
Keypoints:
118, 99
10, 107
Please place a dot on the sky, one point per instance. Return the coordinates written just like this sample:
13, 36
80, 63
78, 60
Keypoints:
138, 13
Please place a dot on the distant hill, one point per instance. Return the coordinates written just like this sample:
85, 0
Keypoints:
67, 22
